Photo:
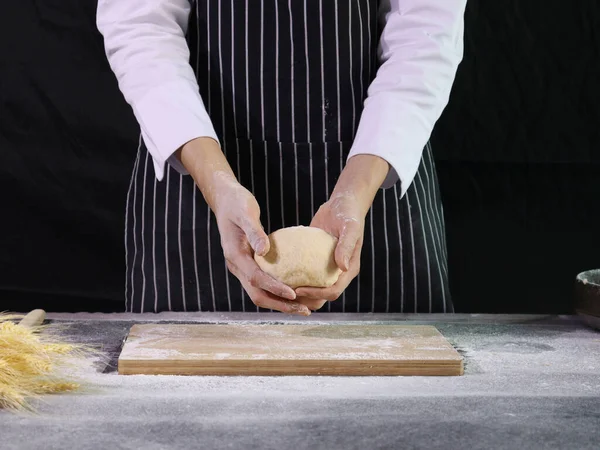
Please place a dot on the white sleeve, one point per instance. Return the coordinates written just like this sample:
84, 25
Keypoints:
420, 48
146, 48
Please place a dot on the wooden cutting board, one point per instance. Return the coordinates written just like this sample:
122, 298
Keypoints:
288, 350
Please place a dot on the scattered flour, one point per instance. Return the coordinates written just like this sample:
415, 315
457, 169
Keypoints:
514, 356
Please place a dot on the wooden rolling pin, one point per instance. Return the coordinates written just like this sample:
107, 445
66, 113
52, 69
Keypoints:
33, 319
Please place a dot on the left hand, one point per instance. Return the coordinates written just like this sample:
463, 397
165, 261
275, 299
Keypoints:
341, 217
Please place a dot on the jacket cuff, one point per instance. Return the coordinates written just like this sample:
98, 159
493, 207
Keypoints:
170, 116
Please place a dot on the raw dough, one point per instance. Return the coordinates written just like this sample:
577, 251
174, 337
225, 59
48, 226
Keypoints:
301, 256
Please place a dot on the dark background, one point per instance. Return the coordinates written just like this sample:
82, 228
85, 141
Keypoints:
516, 148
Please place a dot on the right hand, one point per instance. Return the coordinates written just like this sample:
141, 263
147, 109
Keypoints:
238, 219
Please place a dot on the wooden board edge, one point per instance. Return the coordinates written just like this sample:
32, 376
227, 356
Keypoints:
283, 368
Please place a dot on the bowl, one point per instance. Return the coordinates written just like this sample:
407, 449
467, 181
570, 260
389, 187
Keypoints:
587, 297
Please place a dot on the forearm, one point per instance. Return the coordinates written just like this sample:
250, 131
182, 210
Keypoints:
361, 179
206, 163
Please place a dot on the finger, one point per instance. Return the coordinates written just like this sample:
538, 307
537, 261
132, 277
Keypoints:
249, 271
267, 300
333, 292
233, 240
312, 304
330, 293
346, 245
257, 238
317, 294
241, 263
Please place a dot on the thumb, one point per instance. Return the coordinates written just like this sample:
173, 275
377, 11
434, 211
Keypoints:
346, 245
257, 238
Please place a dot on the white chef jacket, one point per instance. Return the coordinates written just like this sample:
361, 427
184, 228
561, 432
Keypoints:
420, 47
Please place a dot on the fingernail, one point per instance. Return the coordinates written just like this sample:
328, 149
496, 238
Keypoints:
259, 248
262, 247
347, 262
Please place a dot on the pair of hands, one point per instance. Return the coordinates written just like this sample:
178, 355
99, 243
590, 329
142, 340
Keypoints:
242, 235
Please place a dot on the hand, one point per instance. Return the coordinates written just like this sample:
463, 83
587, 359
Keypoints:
341, 217
238, 219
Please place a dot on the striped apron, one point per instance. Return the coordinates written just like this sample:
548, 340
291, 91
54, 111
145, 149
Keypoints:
284, 82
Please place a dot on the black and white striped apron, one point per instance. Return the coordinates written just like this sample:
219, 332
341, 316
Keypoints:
284, 82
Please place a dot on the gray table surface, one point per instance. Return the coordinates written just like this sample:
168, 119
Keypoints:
530, 382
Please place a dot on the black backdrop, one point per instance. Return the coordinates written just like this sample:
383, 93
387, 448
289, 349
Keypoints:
516, 148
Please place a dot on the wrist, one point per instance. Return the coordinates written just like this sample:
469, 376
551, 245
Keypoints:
206, 163
198, 155
361, 178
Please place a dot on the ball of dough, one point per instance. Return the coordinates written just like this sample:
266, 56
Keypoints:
301, 256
